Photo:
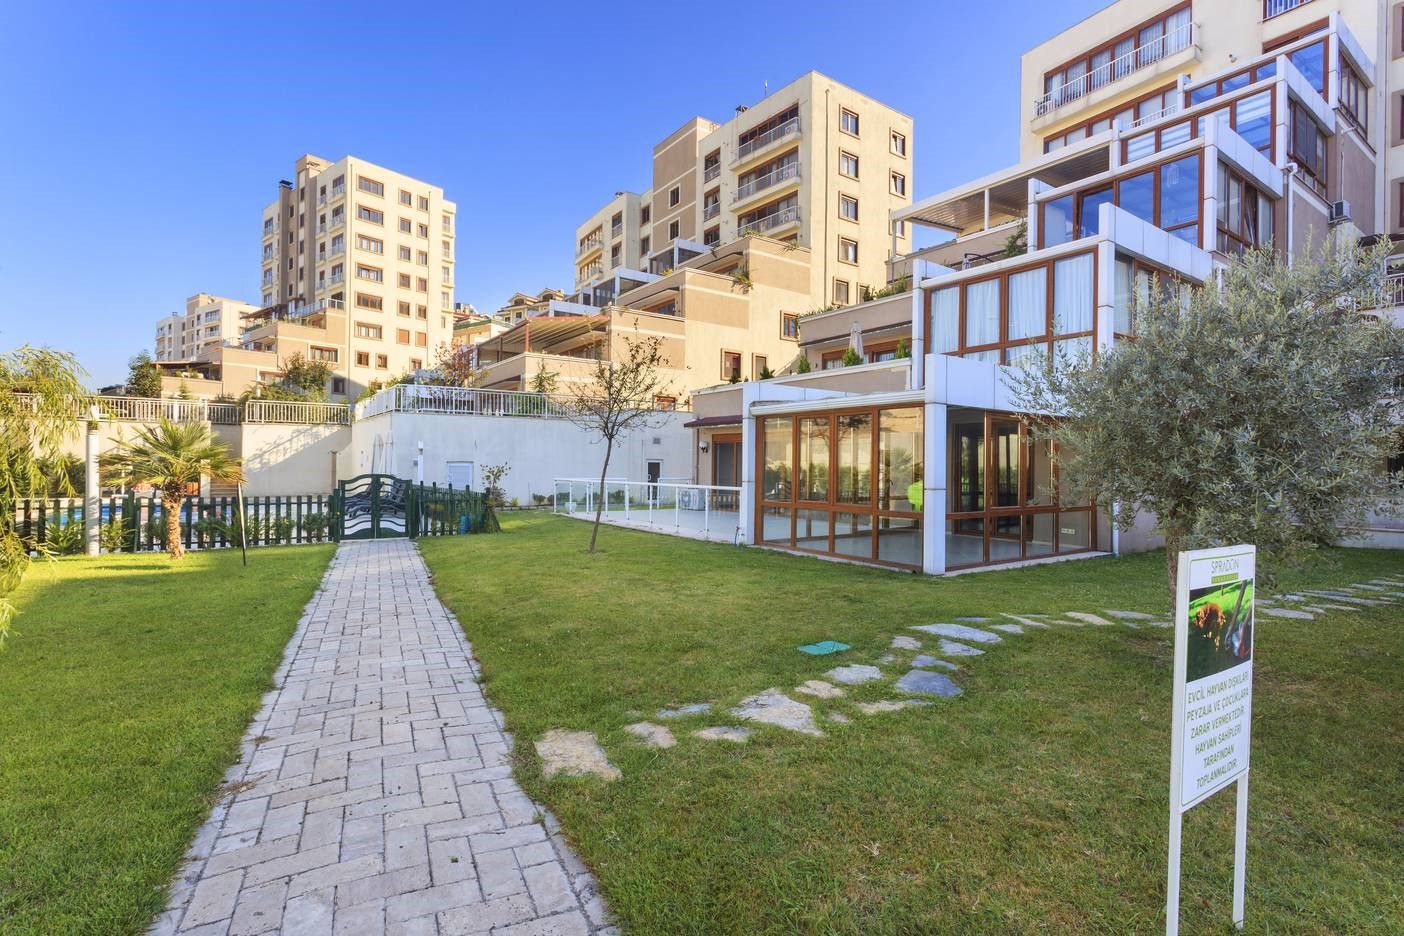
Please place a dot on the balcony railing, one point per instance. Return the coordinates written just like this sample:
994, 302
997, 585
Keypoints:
789, 127
770, 222
293, 411
338, 191
461, 401
1393, 288
321, 305
616, 230
774, 177
151, 409
711, 211
711, 172
1119, 67
587, 246
1273, 8
336, 278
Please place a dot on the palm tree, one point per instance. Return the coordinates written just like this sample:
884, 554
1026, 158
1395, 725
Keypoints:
173, 457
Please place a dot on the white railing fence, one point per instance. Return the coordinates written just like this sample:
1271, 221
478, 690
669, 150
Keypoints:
152, 409
468, 401
711, 510
1119, 67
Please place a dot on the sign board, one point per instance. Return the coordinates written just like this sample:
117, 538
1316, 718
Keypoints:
1213, 698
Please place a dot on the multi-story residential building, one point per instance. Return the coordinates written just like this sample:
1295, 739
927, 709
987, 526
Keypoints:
207, 321
1159, 143
526, 305
815, 164
357, 272
732, 314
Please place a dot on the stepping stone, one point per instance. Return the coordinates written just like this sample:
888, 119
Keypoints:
839, 718
823, 648
1086, 618
1389, 582
573, 754
1027, 621
1159, 624
773, 707
1333, 607
1289, 613
1375, 588
819, 689
961, 631
955, 648
887, 658
723, 733
652, 735
1292, 597
937, 684
925, 660
972, 620
696, 708
1007, 628
891, 705
1131, 615
904, 642
854, 674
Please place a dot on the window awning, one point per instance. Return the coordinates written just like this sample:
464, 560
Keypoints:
704, 421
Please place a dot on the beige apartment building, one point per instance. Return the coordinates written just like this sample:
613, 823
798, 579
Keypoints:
814, 164
206, 322
357, 271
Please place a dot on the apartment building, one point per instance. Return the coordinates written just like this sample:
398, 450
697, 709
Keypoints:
815, 164
207, 321
1159, 142
612, 238
723, 316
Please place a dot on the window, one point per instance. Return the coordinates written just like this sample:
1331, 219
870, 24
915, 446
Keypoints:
665, 403
405, 253
382, 361
899, 184
406, 226
1273, 8
374, 274
1145, 45
1354, 97
370, 214
448, 273
423, 203
789, 326
338, 385
421, 284
1244, 214
848, 207
672, 230
421, 339
327, 355
404, 281
368, 301
1307, 146
404, 309
840, 292
712, 236
731, 365
421, 230
448, 223
899, 228
848, 165
1310, 60
421, 257
402, 336
759, 365
370, 244
421, 311
405, 198
899, 144
643, 246
370, 185
415, 364
363, 359
848, 121
674, 196
848, 250
645, 214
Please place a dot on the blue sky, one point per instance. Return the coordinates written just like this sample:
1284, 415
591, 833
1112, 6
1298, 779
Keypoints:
139, 142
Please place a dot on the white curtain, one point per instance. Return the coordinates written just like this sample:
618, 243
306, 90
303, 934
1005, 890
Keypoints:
1122, 302
945, 319
1072, 295
982, 313
1028, 304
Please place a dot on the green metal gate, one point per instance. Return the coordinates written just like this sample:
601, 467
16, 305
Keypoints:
373, 506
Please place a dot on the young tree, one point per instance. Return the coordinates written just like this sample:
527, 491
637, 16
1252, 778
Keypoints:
543, 382
306, 377
1258, 411
457, 366
171, 456
143, 376
620, 399
41, 394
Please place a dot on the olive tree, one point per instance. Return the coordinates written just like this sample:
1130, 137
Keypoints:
1257, 408
620, 398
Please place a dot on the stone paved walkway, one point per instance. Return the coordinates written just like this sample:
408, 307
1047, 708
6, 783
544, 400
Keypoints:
374, 793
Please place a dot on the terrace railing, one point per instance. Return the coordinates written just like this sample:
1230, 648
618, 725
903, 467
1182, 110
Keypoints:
1140, 57
151, 409
707, 510
465, 401
770, 221
762, 140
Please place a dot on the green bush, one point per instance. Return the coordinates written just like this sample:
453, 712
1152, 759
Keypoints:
115, 536
314, 527
64, 539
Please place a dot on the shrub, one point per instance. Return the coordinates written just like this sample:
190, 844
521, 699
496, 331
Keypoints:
64, 539
314, 527
115, 535
851, 357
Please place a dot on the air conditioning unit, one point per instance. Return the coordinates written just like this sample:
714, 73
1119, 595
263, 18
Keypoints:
1340, 211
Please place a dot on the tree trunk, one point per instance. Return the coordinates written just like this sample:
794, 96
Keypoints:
600, 501
1173, 544
170, 507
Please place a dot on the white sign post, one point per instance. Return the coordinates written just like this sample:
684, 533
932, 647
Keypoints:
1213, 699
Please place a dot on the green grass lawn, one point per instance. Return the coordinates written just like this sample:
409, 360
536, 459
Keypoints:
124, 692
1035, 802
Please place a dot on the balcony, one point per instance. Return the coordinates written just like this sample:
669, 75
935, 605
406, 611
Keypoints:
321, 305
336, 279
589, 246
761, 183
616, 230
770, 222
711, 211
1137, 59
322, 228
338, 191
1273, 8
711, 172
759, 142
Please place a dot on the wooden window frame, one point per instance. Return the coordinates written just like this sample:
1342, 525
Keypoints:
1109, 114
1225, 106
844, 242
1110, 46
1153, 167
794, 317
740, 363
857, 167
856, 132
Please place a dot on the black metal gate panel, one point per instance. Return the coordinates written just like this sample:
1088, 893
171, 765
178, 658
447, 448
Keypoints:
373, 506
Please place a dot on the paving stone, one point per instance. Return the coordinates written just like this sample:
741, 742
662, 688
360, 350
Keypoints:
972, 619
723, 733
903, 642
1008, 628
773, 707
1027, 621
573, 754
652, 735
921, 681
956, 648
1289, 613
1088, 618
838, 718
854, 674
380, 783
819, 689
887, 658
960, 631
696, 708
1130, 615
889, 705
924, 660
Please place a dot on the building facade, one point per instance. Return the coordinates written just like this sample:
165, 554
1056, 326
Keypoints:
206, 322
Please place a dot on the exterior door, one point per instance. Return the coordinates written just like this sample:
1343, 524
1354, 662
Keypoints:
373, 506
726, 469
